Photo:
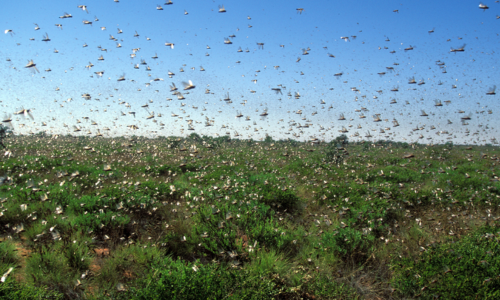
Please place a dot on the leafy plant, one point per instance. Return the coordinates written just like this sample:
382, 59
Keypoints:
175, 279
11, 289
463, 269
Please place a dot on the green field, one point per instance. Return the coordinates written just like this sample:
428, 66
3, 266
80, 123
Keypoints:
215, 218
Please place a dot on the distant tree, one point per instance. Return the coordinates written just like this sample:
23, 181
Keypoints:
195, 137
341, 139
174, 142
4, 133
268, 139
335, 151
366, 145
293, 143
222, 139
41, 134
404, 145
206, 138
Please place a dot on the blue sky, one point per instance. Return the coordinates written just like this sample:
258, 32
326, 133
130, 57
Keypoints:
318, 28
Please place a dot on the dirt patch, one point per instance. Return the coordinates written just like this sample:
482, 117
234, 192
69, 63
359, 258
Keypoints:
128, 274
95, 265
23, 254
92, 290
102, 252
94, 268
242, 239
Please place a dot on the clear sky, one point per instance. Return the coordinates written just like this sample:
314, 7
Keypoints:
382, 30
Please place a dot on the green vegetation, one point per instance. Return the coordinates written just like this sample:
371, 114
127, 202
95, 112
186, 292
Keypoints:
4, 133
215, 218
465, 269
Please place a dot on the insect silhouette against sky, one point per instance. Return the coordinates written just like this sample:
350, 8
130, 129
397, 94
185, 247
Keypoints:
307, 65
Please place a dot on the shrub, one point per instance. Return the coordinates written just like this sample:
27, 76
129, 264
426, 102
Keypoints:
175, 279
195, 137
283, 199
348, 243
50, 267
174, 142
8, 258
255, 220
341, 139
326, 287
293, 143
11, 289
465, 269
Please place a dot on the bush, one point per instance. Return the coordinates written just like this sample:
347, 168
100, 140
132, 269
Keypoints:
175, 279
348, 243
255, 220
325, 286
283, 199
11, 289
268, 139
465, 269
50, 267
293, 142
174, 143
221, 140
8, 258
195, 137
341, 139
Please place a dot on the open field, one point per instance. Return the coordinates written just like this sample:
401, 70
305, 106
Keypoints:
249, 150
215, 218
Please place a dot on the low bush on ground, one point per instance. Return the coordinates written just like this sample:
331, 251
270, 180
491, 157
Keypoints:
466, 268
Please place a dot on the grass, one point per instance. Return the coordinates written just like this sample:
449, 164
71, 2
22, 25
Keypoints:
247, 220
